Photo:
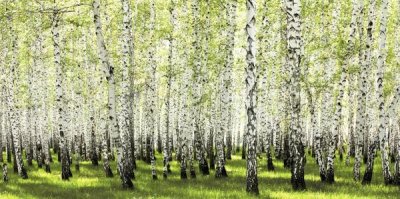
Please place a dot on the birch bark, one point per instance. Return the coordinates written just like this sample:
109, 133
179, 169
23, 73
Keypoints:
251, 99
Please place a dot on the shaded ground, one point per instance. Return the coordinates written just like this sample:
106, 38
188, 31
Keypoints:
91, 183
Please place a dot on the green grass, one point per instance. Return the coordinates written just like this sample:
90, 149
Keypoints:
91, 183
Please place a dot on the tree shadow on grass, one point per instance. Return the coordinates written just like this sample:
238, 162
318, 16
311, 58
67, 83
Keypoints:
42, 185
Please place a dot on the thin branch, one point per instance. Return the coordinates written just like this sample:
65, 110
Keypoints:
57, 10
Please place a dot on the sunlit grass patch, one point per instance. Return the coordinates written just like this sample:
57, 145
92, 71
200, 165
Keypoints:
90, 182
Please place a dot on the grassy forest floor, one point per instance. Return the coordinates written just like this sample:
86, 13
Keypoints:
91, 183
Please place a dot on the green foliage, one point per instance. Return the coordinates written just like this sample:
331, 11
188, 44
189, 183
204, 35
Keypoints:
320, 45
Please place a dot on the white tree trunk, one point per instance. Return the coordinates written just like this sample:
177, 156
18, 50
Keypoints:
228, 81
124, 120
383, 123
294, 46
108, 70
13, 109
60, 104
337, 117
251, 99
361, 121
152, 94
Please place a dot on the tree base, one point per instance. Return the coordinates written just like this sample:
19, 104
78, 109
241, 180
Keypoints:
367, 178
134, 166
330, 176
212, 163
47, 168
203, 167
5, 173
108, 172
396, 179
323, 177
287, 162
252, 188
24, 175
50, 157
221, 172
169, 169
5, 178
69, 172
64, 176
15, 167
270, 165
147, 160
299, 185
95, 162
127, 184
388, 180
183, 175
192, 173
131, 174
365, 159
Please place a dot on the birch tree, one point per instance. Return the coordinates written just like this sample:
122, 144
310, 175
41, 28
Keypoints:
228, 81
361, 101
108, 70
13, 109
124, 120
171, 63
265, 124
330, 175
294, 46
251, 99
151, 101
382, 129
198, 90
60, 104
